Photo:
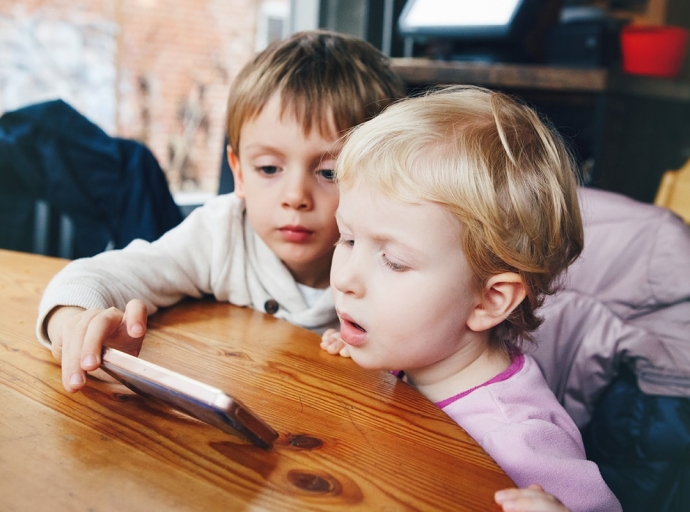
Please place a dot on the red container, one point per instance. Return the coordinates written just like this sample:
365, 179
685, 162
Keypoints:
654, 51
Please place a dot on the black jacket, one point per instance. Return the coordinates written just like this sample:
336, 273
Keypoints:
112, 188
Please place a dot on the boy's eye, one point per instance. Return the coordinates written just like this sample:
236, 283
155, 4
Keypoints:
327, 174
268, 169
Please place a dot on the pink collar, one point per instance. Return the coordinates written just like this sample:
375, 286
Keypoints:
515, 366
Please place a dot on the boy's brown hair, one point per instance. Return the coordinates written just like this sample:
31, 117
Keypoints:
319, 74
497, 168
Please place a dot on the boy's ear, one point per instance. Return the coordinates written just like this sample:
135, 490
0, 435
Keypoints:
500, 296
234, 162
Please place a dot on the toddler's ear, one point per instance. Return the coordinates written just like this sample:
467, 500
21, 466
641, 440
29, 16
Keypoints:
234, 162
502, 293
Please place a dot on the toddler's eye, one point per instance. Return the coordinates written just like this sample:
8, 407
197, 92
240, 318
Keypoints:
327, 174
395, 267
345, 241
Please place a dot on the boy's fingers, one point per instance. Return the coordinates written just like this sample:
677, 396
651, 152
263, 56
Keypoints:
73, 376
58, 322
101, 327
136, 316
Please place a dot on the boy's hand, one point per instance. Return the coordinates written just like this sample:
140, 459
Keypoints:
332, 343
532, 499
78, 335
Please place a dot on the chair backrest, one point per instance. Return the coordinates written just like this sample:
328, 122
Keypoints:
226, 184
69, 189
674, 192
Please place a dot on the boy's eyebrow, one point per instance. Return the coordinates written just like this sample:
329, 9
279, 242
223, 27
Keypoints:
261, 146
332, 150
335, 148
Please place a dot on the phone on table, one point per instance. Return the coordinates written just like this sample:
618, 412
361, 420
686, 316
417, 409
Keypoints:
201, 401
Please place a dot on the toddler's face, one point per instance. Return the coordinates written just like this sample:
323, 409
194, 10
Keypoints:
286, 180
402, 285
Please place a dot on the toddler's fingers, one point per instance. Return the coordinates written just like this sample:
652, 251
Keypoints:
328, 338
531, 499
331, 346
328, 334
332, 343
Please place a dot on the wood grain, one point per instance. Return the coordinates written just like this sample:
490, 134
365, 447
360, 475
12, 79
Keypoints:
539, 77
349, 438
416, 71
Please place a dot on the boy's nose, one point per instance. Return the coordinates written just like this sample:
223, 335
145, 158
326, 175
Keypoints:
297, 193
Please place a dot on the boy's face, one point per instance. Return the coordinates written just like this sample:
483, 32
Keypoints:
287, 182
402, 285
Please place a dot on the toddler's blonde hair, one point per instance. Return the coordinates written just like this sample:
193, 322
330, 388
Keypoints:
497, 167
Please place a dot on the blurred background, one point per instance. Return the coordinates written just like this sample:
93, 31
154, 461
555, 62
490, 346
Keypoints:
158, 71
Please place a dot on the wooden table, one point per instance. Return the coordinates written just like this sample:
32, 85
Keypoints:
349, 438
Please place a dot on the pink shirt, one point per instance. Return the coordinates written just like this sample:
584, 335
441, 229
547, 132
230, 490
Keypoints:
516, 418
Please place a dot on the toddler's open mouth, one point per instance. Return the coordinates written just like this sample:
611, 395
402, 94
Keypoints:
358, 327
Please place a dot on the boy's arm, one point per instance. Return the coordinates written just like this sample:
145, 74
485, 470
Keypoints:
106, 299
186, 261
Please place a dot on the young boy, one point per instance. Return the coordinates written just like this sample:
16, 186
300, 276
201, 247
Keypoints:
269, 244
458, 210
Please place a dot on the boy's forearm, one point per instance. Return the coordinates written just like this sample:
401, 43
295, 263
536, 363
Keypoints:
112, 279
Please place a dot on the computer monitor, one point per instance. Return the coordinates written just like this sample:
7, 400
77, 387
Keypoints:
473, 26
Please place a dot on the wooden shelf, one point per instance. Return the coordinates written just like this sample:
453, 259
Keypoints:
416, 71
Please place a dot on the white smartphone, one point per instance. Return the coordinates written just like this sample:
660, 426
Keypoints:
199, 400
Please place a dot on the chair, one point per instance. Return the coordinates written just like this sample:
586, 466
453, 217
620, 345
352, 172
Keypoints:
68, 189
227, 181
615, 349
674, 192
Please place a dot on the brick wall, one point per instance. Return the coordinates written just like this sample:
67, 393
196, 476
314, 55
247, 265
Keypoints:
154, 70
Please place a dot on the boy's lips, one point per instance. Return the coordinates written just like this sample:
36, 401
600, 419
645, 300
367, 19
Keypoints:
295, 233
350, 331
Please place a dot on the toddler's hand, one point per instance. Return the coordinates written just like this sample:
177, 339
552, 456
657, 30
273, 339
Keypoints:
332, 343
532, 499
78, 335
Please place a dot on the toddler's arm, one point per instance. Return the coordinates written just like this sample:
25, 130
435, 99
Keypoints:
532, 499
78, 336
332, 343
